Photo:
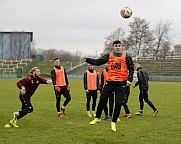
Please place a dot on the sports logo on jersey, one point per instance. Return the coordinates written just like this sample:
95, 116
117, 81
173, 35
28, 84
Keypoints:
116, 65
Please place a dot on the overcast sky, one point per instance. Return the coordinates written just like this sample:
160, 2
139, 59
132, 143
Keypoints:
82, 25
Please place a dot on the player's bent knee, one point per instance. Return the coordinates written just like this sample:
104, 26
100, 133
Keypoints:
69, 99
30, 109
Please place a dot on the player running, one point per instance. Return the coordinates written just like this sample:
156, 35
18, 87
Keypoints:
27, 87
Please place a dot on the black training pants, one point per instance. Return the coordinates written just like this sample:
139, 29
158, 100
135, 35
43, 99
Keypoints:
144, 95
119, 88
111, 105
93, 94
127, 92
26, 106
63, 91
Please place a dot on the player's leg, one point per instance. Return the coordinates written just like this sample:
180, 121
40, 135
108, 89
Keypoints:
94, 98
67, 96
25, 109
126, 108
111, 104
145, 94
88, 97
58, 98
119, 98
107, 90
140, 112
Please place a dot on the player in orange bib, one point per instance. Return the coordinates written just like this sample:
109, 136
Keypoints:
119, 63
91, 83
60, 82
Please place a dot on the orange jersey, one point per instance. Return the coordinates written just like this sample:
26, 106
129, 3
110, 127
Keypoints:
91, 80
118, 70
60, 76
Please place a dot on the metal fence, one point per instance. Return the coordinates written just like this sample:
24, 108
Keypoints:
152, 77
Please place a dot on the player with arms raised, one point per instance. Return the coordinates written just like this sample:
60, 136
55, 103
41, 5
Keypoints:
119, 63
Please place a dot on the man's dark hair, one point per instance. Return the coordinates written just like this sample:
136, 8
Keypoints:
56, 59
116, 42
138, 62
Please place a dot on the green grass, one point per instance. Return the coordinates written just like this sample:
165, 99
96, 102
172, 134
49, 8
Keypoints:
44, 127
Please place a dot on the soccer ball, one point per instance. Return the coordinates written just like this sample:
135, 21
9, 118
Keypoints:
126, 12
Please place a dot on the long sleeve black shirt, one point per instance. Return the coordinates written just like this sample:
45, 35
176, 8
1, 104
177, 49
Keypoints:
104, 59
142, 79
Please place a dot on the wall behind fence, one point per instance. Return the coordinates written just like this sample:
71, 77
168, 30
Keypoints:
75, 76
8, 75
165, 78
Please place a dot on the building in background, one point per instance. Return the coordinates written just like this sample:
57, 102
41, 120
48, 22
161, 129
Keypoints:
177, 50
15, 45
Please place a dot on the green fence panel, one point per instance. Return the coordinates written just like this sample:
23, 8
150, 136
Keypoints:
19, 72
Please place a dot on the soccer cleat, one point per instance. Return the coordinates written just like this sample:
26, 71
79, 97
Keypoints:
113, 126
61, 115
139, 113
89, 115
118, 119
7, 126
109, 118
13, 123
93, 114
96, 120
106, 117
63, 111
127, 116
155, 113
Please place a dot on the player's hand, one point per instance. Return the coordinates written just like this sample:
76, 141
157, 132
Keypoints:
49, 81
57, 88
128, 83
22, 90
84, 59
68, 87
87, 91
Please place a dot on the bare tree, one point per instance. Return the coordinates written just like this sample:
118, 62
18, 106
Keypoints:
2, 41
50, 54
162, 37
33, 50
118, 34
140, 37
20, 45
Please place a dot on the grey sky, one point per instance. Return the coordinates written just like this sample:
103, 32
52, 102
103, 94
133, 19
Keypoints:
82, 24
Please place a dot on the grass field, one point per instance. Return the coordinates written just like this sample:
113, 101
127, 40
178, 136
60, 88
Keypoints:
44, 127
